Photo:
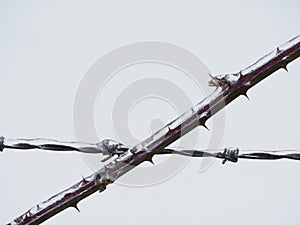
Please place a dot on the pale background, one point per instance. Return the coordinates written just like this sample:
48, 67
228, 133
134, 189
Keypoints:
47, 46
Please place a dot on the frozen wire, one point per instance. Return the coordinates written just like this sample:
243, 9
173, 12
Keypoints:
115, 148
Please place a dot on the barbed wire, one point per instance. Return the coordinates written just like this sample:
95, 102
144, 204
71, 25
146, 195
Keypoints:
112, 148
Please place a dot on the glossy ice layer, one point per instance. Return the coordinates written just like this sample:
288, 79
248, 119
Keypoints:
290, 43
53, 145
262, 61
53, 201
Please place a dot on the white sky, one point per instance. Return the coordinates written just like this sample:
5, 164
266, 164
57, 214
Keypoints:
46, 47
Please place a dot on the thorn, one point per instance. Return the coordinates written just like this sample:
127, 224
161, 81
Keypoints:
245, 94
76, 207
285, 67
204, 125
278, 50
151, 160
83, 180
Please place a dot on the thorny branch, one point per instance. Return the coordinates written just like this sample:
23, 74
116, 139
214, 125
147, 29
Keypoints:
228, 87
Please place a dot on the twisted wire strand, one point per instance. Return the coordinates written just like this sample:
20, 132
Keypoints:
271, 155
112, 148
48, 144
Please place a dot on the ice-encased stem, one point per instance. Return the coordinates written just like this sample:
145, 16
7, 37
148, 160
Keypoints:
231, 86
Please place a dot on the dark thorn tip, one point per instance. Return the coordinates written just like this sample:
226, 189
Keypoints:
151, 160
278, 50
204, 125
75, 207
83, 180
285, 68
245, 94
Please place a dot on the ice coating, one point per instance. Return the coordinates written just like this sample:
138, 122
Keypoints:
231, 79
181, 119
289, 44
247, 84
138, 147
53, 201
262, 61
176, 123
270, 154
200, 105
49, 144
127, 154
205, 103
160, 133
185, 116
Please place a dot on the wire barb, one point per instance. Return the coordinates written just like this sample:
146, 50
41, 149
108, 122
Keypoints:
229, 154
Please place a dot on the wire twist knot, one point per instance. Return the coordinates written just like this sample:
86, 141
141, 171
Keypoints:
1, 143
229, 154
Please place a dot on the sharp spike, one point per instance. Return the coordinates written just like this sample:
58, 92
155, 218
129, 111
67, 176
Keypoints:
285, 67
204, 125
151, 160
76, 207
245, 94
83, 180
278, 50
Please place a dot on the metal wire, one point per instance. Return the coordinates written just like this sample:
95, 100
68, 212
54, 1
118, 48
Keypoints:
115, 148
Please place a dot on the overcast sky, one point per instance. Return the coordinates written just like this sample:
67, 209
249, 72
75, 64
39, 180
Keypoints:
48, 47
